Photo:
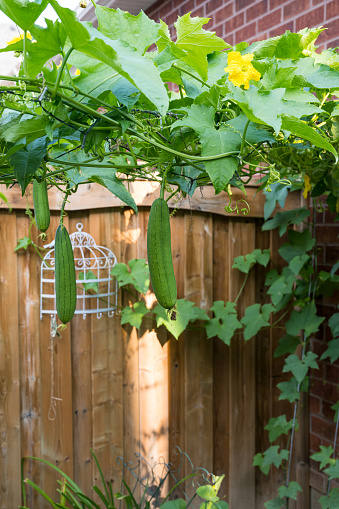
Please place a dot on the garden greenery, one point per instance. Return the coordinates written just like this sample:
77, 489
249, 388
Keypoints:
126, 102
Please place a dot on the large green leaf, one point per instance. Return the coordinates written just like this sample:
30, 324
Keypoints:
27, 160
30, 128
197, 42
306, 319
23, 12
119, 55
186, 311
139, 31
224, 323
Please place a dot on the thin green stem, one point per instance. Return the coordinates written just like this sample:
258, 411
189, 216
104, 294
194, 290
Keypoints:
192, 75
243, 140
102, 82
242, 287
61, 70
25, 54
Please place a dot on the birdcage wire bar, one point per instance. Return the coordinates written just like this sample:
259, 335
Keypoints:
93, 265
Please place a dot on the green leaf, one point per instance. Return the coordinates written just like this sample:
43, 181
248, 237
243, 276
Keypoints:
87, 276
207, 492
278, 426
298, 367
178, 503
333, 471
23, 243
284, 219
27, 160
184, 313
324, 457
280, 287
119, 55
254, 320
134, 315
289, 46
287, 344
278, 194
332, 351
275, 503
225, 322
270, 457
138, 276
290, 491
31, 128
330, 502
334, 325
254, 133
299, 243
139, 31
289, 390
23, 12
306, 319
111, 182
304, 131
297, 263
196, 42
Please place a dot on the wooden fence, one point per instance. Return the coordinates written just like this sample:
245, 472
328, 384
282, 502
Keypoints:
120, 391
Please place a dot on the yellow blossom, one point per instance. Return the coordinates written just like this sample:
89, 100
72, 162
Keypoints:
59, 65
307, 186
77, 72
17, 39
240, 69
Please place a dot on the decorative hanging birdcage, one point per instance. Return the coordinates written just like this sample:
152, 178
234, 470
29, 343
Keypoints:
97, 289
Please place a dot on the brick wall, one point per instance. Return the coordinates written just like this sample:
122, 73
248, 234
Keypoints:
252, 20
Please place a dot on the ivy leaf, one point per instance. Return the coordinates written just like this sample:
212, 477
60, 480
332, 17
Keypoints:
306, 319
289, 390
196, 42
254, 320
23, 12
275, 503
287, 344
324, 457
184, 313
297, 263
285, 218
299, 243
139, 31
134, 315
87, 276
332, 351
23, 243
225, 322
271, 456
290, 491
330, 502
333, 471
119, 55
207, 492
27, 160
278, 426
138, 276
280, 287
298, 367
277, 194
334, 325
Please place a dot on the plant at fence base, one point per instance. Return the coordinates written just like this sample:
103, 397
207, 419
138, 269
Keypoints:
115, 120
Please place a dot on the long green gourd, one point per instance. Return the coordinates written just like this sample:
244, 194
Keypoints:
159, 254
65, 279
41, 205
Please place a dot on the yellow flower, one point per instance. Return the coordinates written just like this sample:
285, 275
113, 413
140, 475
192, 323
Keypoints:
307, 186
77, 72
240, 69
17, 39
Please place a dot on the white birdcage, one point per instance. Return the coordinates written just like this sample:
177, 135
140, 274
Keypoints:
93, 266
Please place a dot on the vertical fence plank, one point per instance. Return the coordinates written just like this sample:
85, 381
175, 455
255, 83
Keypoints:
106, 371
198, 351
153, 376
10, 494
30, 386
221, 386
81, 340
56, 430
130, 234
242, 379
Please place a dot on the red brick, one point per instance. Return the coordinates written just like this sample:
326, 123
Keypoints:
171, 18
331, 254
200, 12
331, 44
213, 5
322, 427
325, 391
241, 4
219, 30
332, 374
282, 29
234, 23
318, 481
163, 7
186, 7
327, 234
332, 9
314, 405
293, 8
223, 14
257, 10
331, 32
315, 442
310, 19
327, 412
269, 21
245, 33
329, 217
277, 3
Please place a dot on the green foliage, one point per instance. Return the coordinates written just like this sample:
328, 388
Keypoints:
278, 426
90, 285
272, 456
138, 275
330, 502
324, 456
